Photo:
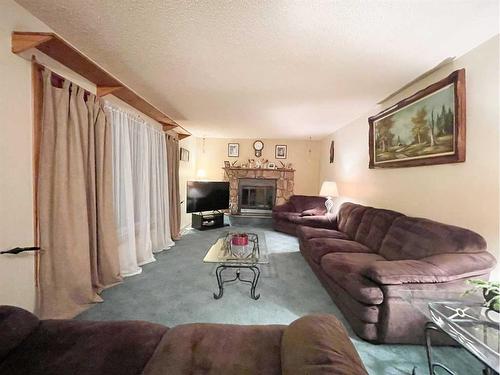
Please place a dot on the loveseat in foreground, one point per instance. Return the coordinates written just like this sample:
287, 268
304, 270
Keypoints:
315, 344
367, 258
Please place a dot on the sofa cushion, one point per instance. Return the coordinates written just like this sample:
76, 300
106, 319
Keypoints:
313, 212
285, 215
374, 226
16, 325
416, 238
320, 221
307, 233
350, 217
319, 344
218, 350
85, 348
306, 202
346, 269
434, 269
318, 247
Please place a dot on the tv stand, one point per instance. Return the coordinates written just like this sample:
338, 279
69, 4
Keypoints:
204, 221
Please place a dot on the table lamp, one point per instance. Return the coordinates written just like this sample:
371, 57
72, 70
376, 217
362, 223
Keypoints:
329, 190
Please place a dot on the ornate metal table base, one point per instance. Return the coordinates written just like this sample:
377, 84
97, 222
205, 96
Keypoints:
429, 327
220, 281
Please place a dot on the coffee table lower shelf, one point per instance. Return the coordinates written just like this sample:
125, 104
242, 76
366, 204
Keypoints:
220, 280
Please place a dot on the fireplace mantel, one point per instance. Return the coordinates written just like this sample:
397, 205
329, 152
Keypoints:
259, 169
284, 182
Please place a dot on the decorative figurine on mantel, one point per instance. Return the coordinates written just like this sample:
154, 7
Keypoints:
251, 163
261, 163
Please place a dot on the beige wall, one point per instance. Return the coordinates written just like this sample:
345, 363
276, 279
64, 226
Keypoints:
304, 156
465, 194
187, 172
16, 205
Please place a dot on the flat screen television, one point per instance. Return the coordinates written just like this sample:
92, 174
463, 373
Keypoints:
207, 196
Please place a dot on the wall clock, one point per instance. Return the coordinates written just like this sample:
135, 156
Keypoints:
258, 146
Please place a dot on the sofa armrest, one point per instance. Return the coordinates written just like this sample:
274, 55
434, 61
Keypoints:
285, 207
319, 344
433, 269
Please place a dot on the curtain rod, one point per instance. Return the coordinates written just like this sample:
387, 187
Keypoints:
57, 75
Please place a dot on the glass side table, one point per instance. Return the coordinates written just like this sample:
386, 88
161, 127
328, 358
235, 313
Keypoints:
465, 320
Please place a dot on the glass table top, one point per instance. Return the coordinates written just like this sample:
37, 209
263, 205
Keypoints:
223, 250
464, 318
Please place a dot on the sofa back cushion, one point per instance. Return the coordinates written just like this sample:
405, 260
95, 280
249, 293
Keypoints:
349, 218
374, 226
85, 348
416, 238
16, 325
319, 344
202, 348
306, 202
366, 225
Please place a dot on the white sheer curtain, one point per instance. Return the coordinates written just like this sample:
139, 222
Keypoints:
140, 189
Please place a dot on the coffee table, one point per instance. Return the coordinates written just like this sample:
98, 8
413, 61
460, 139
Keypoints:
220, 253
465, 320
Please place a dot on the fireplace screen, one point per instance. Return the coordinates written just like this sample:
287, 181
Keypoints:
257, 195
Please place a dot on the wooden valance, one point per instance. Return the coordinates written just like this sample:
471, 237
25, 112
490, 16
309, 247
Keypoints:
58, 49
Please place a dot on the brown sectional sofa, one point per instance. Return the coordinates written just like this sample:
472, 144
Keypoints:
315, 344
368, 257
301, 210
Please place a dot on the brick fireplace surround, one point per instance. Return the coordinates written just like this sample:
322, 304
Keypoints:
283, 177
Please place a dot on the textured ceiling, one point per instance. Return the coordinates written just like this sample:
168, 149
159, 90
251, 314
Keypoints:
253, 68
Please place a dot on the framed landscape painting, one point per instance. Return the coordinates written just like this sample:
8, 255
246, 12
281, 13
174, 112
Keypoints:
425, 129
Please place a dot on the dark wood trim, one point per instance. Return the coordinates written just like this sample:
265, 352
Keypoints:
458, 79
58, 49
37, 103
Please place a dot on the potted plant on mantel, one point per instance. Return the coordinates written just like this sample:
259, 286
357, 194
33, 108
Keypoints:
491, 292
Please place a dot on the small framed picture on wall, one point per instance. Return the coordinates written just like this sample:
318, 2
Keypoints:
184, 154
332, 152
280, 152
233, 150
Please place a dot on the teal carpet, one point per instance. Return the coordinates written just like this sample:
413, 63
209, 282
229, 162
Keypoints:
178, 289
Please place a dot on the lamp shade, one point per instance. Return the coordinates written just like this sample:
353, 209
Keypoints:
329, 189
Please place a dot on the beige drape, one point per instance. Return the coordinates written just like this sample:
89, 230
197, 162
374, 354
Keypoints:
79, 254
173, 186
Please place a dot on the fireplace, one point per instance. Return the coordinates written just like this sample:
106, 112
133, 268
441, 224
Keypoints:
256, 196
277, 181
